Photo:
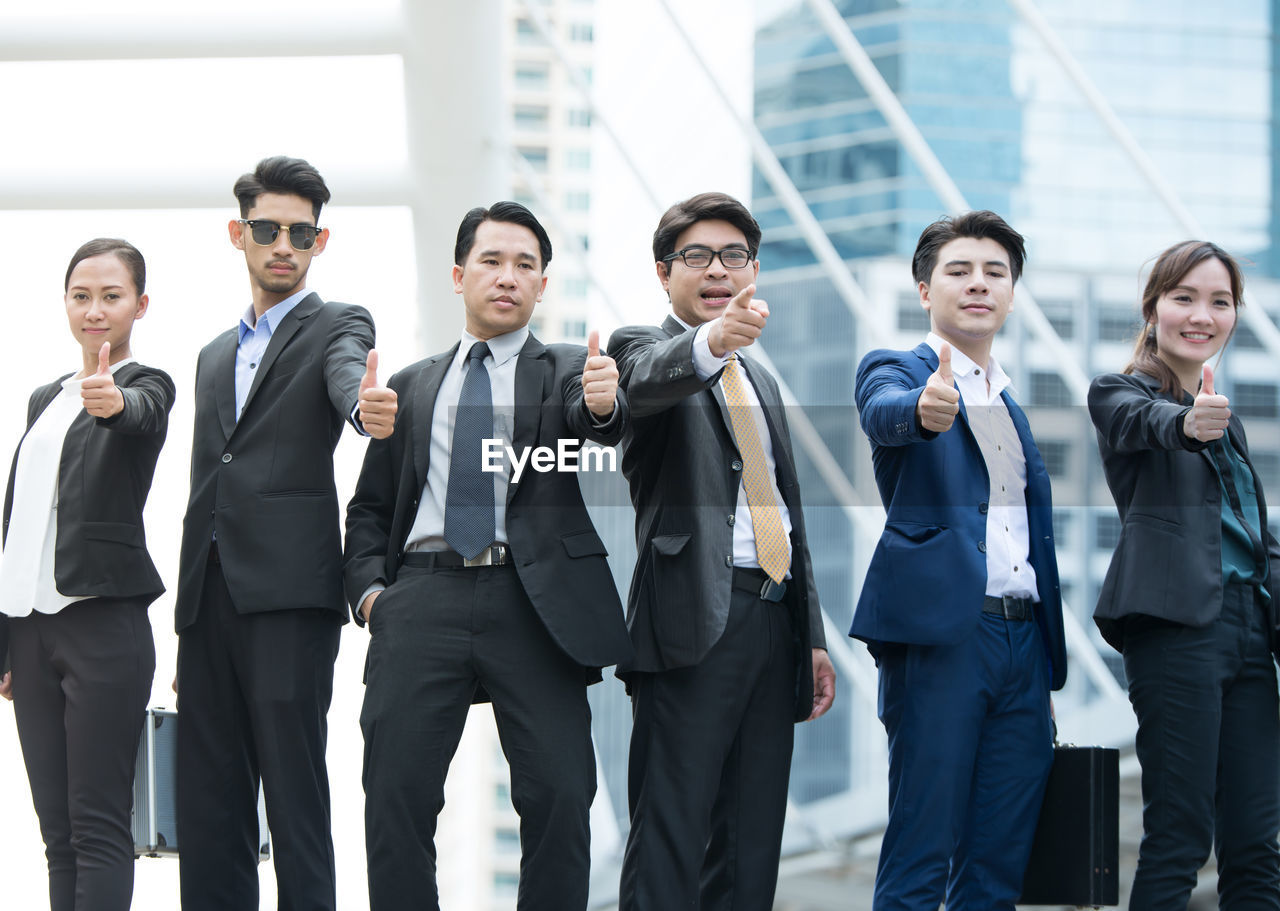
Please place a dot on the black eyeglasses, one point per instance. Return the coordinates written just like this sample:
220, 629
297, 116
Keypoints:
700, 257
301, 237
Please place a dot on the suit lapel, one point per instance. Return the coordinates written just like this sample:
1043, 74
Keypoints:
222, 355
426, 388
280, 336
533, 374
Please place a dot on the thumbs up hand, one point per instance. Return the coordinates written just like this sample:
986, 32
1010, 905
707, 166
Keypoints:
98, 392
939, 402
378, 404
1208, 417
599, 379
740, 324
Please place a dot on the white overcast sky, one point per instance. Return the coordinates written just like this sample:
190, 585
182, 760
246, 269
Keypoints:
210, 120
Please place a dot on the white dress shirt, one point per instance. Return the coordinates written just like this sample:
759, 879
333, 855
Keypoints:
1009, 569
706, 365
27, 581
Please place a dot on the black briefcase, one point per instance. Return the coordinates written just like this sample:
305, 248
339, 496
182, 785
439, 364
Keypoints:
1076, 852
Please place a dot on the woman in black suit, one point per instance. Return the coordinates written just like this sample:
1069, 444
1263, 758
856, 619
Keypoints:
1189, 596
76, 581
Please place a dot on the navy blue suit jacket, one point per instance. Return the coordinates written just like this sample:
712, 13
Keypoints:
928, 575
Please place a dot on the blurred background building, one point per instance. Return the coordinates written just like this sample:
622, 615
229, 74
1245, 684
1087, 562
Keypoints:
1104, 130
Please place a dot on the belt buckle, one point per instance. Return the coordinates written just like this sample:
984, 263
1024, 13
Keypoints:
772, 591
494, 554
1013, 607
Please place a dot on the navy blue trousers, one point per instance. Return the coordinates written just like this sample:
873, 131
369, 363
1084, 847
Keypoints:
970, 747
1209, 744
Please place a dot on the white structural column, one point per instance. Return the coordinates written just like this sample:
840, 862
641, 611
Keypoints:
457, 132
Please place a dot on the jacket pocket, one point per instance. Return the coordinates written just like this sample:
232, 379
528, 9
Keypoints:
119, 532
670, 545
583, 544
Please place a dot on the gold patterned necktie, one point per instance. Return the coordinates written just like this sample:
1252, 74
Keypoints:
773, 550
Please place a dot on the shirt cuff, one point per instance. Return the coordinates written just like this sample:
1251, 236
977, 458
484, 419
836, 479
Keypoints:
706, 364
354, 418
375, 587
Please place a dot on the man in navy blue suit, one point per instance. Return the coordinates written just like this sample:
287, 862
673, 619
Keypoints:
961, 606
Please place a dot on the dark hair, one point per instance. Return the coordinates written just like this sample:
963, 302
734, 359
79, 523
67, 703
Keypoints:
703, 207
507, 211
1170, 269
280, 174
124, 251
983, 224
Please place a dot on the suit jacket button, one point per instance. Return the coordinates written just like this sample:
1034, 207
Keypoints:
732, 519
982, 508
736, 465
226, 457
728, 560
982, 547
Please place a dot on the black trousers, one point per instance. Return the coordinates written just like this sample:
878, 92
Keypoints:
81, 680
709, 767
1209, 745
253, 700
438, 635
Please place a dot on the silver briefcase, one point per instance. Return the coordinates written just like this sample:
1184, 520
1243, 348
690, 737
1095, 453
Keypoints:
155, 789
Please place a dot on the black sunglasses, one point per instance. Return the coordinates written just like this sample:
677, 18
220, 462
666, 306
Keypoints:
301, 237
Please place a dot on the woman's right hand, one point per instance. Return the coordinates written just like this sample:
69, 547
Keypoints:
6, 685
1208, 417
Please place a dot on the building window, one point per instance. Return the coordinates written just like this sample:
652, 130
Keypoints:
579, 117
1117, 325
1244, 338
536, 156
533, 75
911, 316
1061, 316
1061, 527
575, 328
532, 116
1267, 464
506, 840
577, 200
506, 884
1106, 531
581, 31
578, 159
1048, 390
502, 795
1056, 455
1255, 400
575, 287
527, 33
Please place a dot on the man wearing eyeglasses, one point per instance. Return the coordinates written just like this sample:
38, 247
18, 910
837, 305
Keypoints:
260, 601
723, 612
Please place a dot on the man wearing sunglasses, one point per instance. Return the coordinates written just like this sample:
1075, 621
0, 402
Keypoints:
260, 602
722, 612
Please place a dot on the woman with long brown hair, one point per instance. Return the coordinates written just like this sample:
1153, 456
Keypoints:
1190, 593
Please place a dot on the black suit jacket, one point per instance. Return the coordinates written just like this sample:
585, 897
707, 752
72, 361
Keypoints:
684, 469
558, 554
264, 483
1168, 562
104, 476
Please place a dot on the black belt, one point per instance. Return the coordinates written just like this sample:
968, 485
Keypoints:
493, 555
1011, 607
757, 582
